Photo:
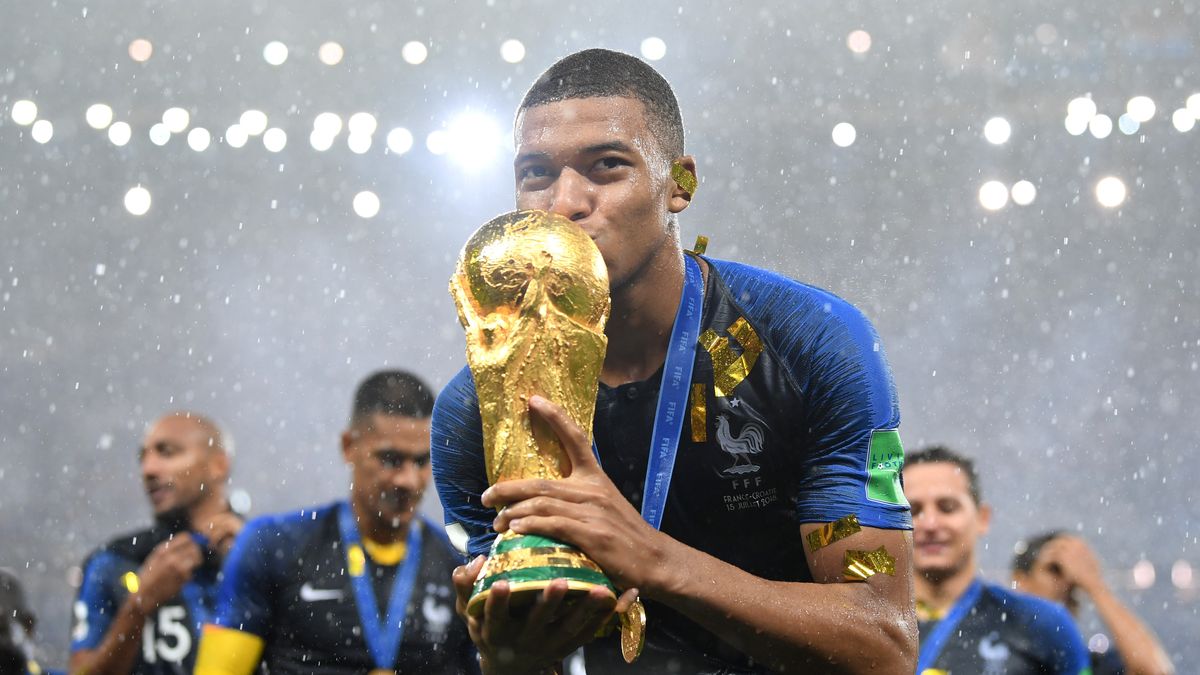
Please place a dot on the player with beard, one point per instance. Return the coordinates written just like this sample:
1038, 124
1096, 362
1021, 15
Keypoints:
353, 586
145, 595
966, 624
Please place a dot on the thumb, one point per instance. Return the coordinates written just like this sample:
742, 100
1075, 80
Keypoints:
574, 439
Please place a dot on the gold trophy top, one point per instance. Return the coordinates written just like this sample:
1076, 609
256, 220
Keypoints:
532, 295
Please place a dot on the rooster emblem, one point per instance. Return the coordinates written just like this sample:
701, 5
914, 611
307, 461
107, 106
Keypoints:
749, 441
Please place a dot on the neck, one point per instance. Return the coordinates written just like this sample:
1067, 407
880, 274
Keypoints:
203, 512
939, 592
643, 312
375, 527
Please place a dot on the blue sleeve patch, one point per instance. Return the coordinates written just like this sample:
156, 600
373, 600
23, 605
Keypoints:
97, 601
459, 471
836, 361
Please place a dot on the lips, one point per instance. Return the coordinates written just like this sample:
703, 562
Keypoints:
158, 494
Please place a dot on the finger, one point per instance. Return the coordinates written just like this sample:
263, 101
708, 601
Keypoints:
574, 439
464, 582
495, 613
589, 614
539, 506
509, 492
626, 601
546, 608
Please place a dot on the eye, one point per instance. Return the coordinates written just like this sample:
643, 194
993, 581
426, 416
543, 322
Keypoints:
610, 163
533, 172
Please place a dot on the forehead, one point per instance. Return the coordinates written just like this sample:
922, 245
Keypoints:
406, 433
582, 122
176, 429
934, 480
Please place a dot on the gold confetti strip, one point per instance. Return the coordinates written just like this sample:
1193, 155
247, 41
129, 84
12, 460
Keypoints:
701, 245
730, 369
830, 532
356, 561
862, 565
699, 414
683, 177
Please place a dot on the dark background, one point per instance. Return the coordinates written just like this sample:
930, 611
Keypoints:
1058, 343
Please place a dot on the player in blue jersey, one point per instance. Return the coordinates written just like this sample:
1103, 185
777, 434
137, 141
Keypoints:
968, 625
789, 423
1059, 566
145, 595
354, 586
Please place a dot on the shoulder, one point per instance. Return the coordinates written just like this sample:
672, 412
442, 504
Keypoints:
770, 294
134, 546
1040, 615
458, 395
289, 528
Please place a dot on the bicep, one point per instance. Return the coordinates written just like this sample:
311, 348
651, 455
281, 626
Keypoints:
886, 555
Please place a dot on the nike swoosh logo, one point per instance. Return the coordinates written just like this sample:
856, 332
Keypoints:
310, 594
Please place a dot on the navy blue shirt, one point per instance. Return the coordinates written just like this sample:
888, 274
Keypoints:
1010, 633
286, 582
797, 424
172, 632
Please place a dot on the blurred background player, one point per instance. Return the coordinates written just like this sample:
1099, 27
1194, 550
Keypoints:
352, 586
145, 594
1058, 566
18, 654
966, 624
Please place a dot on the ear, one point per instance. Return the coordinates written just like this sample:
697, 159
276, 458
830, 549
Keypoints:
218, 464
348, 438
984, 518
679, 195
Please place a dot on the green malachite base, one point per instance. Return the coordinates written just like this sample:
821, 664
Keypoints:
529, 563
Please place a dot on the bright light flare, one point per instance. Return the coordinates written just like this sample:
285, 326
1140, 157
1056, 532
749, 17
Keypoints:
473, 140
327, 124
359, 144
331, 53
1023, 193
236, 136
512, 51
98, 116
859, 41
993, 195
253, 122
120, 133
363, 123
1193, 105
274, 139
319, 141
176, 120
42, 131
997, 131
275, 53
1183, 120
399, 141
1128, 125
160, 134
199, 139
653, 48
137, 200
141, 50
1141, 108
1111, 193
1143, 574
844, 134
1101, 126
414, 52
366, 204
24, 112
1081, 106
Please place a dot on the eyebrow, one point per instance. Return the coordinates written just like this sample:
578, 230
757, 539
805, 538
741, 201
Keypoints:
618, 146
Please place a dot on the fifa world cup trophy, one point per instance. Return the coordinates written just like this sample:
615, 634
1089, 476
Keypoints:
532, 294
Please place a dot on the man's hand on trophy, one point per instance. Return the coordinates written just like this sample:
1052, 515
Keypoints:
584, 509
536, 639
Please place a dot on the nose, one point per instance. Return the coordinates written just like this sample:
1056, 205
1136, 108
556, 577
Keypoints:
407, 476
571, 195
151, 465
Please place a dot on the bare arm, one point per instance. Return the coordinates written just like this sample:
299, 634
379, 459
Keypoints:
168, 567
843, 627
1139, 648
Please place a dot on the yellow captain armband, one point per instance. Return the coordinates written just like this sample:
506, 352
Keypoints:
225, 651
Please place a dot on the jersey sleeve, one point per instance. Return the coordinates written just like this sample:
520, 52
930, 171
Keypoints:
851, 454
96, 603
459, 471
855, 455
244, 598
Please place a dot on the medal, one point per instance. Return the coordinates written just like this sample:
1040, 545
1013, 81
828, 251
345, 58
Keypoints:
633, 631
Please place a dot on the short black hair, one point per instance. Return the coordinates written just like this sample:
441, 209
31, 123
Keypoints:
603, 73
1027, 552
942, 454
392, 392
